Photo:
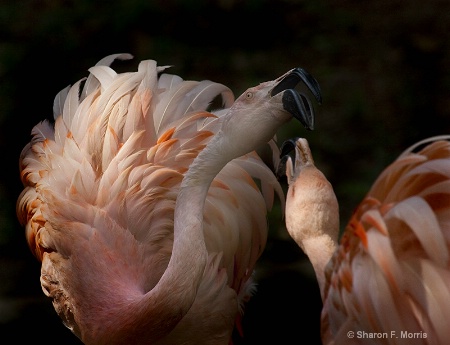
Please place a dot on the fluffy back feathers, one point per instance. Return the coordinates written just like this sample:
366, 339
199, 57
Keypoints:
119, 147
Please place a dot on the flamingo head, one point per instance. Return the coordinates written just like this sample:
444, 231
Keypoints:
256, 115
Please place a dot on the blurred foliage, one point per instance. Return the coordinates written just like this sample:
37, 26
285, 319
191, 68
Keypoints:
382, 66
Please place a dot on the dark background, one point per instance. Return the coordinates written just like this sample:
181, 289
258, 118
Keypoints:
384, 71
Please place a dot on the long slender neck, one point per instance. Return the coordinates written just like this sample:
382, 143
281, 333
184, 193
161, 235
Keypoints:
319, 250
167, 303
312, 212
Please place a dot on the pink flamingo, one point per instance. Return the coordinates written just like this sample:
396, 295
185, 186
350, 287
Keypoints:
387, 281
142, 204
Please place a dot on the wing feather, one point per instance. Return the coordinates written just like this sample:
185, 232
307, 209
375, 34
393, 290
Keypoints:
58, 103
92, 82
403, 270
202, 96
167, 108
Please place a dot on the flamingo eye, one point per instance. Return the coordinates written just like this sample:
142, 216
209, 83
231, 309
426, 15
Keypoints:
249, 95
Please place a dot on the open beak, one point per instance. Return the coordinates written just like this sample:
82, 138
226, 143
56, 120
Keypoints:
297, 103
286, 148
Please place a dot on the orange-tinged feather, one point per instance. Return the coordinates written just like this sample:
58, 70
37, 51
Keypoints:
166, 135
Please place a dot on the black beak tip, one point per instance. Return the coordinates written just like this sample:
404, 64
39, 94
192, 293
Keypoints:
300, 107
285, 152
297, 103
311, 82
288, 146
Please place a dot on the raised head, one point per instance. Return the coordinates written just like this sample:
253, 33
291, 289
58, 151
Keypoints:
257, 114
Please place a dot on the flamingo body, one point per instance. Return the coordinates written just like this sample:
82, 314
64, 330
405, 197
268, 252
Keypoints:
99, 199
390, 272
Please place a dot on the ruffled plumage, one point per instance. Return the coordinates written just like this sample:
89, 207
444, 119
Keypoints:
101, 185
391, 271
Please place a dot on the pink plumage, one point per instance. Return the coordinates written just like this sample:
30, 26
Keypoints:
387, 281
143, 204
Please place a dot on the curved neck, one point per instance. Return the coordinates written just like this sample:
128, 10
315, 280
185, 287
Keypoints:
312, 216
169, 301
319, 250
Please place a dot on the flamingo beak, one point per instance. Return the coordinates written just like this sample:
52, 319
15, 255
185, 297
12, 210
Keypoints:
285, 150
297, 103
